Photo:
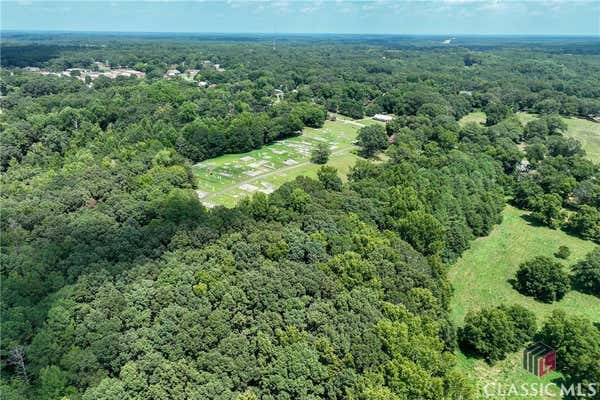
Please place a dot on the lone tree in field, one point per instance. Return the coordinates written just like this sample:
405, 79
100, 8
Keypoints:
372, 139
320, 154
542, 278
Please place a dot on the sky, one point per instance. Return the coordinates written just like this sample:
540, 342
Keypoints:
441, 17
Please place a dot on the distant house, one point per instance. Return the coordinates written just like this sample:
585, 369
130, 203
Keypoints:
466, 92
203, 84
124, 72
383, 117
172, 73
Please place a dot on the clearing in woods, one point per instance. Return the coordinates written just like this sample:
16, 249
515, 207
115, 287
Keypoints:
481, 276
225, 180
587, 132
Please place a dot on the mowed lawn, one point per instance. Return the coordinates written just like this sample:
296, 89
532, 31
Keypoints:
588, 133
227, 179
481, 278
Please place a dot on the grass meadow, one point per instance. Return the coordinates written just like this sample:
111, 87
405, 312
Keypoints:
587, 132
227, 179
481, 278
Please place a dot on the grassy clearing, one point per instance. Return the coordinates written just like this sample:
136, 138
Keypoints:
480, 278
369, 121
503, 373
476, 116
588, 133
227, 179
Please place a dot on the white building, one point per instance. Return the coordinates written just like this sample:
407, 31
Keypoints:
383, 117
172, 73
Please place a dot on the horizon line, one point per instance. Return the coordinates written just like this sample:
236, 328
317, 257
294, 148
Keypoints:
580, 35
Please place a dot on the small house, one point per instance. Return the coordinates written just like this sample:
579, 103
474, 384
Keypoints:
383, 117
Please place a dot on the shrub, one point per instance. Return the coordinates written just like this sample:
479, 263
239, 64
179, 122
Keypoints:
563, 252
494, 332
586, 274
542, 278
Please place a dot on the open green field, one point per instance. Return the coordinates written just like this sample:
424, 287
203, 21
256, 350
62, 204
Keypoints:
370, 121
225, 180
475, 116
480, 278
587, 132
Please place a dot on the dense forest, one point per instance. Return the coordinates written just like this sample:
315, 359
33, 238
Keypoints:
118, 284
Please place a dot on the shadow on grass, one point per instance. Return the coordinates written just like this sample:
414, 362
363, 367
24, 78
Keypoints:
471, 353
532, 220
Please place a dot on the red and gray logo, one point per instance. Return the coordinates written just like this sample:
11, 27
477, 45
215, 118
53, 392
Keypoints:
539, 359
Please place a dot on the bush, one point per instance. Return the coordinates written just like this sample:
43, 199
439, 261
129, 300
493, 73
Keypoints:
547, 210
494, 332
542, 278
563, 252
586, 274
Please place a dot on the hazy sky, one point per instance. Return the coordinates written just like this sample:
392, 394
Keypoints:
444, 17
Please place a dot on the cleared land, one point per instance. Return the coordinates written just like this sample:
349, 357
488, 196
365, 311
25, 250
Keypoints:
475, 116
480, 278
587, 132
227, 179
